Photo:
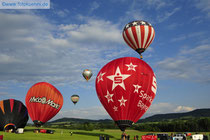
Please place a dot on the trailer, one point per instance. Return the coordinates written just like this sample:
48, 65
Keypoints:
20, 131
197, 137
179, 137
149, 137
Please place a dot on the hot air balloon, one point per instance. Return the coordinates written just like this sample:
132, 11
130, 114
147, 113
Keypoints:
87, 74
13, 114
138, 35
43, 101
75, 98
126, 88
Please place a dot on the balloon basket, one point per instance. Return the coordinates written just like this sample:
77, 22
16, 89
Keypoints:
123, 124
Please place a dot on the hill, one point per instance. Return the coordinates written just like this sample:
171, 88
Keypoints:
192, 114
77, 120
155, 118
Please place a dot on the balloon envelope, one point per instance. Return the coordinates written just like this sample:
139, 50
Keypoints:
138, 35
43, 101
75, 98
126, 88
87, 74
13, 114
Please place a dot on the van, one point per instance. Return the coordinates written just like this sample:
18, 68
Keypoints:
197, 137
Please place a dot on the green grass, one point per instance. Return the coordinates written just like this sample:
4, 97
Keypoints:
63, 134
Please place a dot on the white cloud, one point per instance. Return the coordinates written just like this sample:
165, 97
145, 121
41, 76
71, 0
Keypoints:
93, 31
182, 37
98, 112
95, 5
204, 6
62, 13
166, 15
157, 3
6, 95
94, 113
190, 64
33, 49
183, 109
163, 108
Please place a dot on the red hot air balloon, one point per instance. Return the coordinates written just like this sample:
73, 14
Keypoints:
126, 88
43, 102
138, 35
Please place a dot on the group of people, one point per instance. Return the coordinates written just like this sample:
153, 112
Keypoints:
102, 137
127, 137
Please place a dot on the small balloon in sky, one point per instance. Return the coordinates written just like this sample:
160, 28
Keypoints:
87, 73
75, 98
138, 35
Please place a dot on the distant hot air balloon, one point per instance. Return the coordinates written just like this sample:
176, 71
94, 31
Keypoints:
43, 101
13, 114
126, 88
87, 74
138, 35
75, 98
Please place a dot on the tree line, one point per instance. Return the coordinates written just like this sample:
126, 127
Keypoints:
189, 125
175, 125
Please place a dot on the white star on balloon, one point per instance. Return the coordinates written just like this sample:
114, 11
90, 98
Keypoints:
131, 67
109, 96
134, 23
137, 87
118, 79
127, 26
122, 101
100, 77
115, 108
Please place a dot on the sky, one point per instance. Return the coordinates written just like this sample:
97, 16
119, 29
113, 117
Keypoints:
55, 45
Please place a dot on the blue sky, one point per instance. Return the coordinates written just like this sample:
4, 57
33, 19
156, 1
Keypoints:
56, 45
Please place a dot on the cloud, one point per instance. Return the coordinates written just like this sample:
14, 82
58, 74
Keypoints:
6, 95
163, 108
166, 15
33, 49
98, 112
157, 3
189, 36
95, 5
62, 13
190, 64
183, 109
94, 113
204, 6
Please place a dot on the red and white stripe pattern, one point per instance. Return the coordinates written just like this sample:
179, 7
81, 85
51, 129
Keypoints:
138, 34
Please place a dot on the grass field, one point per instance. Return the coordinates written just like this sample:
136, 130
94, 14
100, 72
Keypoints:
64, 134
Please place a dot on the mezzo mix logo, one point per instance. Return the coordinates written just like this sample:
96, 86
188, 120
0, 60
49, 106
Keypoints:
44, 100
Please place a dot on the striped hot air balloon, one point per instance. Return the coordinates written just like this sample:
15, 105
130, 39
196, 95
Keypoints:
138, 35
13, 114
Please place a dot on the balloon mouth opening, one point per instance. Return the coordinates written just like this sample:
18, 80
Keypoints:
38, 123
140, 50
10, 127
123, 124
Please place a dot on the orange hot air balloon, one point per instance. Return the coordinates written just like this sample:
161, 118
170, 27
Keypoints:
43, 102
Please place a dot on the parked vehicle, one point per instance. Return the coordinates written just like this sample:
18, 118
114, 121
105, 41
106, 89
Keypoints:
149, 137
179, 137
162, 136
197, 137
